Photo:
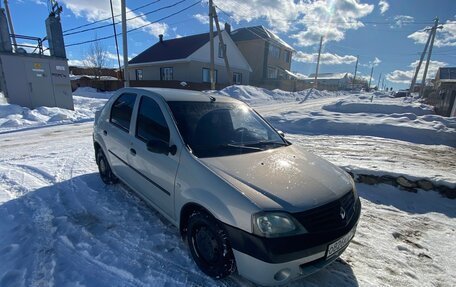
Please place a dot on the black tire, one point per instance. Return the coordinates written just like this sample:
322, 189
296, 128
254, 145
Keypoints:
209, 246
105, 169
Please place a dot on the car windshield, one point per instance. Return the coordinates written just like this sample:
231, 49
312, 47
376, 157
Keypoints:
219, 128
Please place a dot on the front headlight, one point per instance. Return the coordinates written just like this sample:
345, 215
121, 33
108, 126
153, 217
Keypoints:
276, 224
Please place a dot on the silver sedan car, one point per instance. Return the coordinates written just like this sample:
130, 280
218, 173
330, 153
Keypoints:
244, 198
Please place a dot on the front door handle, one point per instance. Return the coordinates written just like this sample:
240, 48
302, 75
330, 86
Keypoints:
133, 151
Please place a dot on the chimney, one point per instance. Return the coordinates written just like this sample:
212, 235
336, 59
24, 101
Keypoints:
161, 38
228, 28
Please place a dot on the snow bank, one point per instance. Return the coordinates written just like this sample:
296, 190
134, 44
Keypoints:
86, 102
255, 95
363, 104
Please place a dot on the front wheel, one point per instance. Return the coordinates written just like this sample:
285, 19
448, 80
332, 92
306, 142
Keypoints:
209, 246
104, 169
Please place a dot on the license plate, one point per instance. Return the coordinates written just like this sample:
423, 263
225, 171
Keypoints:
339, 244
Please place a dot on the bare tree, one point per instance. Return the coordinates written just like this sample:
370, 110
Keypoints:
96, 58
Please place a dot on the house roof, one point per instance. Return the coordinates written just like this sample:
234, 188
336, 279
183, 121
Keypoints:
329, 76
447, 73
258, 32
173, 49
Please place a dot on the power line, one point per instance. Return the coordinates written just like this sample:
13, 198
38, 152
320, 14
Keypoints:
109, 18
137, 28
129, 19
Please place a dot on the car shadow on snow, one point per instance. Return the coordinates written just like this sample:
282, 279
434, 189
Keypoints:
82, 232
420, 202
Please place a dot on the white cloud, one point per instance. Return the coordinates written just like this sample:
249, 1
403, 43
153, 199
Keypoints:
402, 20
325, 58
445, 37
375, 62
279, 14
405, 76
203, 19
384, 6
75, 62
40, 2
97, 10
330, 19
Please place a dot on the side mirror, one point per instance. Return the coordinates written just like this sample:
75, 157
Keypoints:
281, 133
158, 146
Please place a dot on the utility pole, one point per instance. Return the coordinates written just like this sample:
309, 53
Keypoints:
318, 64
370, 79
225, 56
356, 69
10, 24
433, 32
124, 43
115, 36
412, 85
211, 40
378, 83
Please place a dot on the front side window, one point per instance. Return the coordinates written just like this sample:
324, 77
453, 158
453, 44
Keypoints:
237, 78
220, 129
207, 75
166, 74
151, 123
139, 74
121, 111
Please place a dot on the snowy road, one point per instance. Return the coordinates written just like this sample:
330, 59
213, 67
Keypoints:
61, 226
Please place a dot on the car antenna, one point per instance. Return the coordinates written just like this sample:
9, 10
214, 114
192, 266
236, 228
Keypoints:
212, 98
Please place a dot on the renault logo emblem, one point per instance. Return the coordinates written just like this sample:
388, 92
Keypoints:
342, 213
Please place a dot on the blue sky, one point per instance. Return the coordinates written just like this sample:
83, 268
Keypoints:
383, 33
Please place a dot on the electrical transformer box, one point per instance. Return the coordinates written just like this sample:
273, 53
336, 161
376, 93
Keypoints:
35, 80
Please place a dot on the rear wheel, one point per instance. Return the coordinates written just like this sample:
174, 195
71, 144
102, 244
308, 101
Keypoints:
209, 246
104, 169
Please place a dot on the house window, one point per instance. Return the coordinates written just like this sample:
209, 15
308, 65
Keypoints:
207, 75
221, 50
274, 51
272, 73
287, 56
237, 78
166, 74
139, 74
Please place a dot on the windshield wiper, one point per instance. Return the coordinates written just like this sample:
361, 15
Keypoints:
240, 146
262, 143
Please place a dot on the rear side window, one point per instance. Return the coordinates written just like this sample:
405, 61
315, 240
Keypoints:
151, 123
121, 111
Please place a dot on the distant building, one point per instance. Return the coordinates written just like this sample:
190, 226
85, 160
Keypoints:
332, 81
444, 95
267, 54
95, 72
187, 59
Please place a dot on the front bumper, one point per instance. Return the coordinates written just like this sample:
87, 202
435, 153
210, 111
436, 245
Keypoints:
272, 261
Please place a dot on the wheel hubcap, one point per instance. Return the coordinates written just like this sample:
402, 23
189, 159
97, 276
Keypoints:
206, 246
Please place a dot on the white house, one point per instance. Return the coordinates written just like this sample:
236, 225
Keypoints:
188, 59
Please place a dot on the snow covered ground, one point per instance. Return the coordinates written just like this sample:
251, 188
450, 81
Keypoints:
60, 226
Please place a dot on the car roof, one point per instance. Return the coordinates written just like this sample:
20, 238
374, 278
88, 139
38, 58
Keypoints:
177, 95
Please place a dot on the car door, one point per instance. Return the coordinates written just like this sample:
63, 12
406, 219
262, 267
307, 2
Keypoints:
116, 135
156, 172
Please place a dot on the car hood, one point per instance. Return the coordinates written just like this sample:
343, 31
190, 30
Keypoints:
287, 178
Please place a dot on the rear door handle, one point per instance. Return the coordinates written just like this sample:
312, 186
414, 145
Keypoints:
105, 132
133, 151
